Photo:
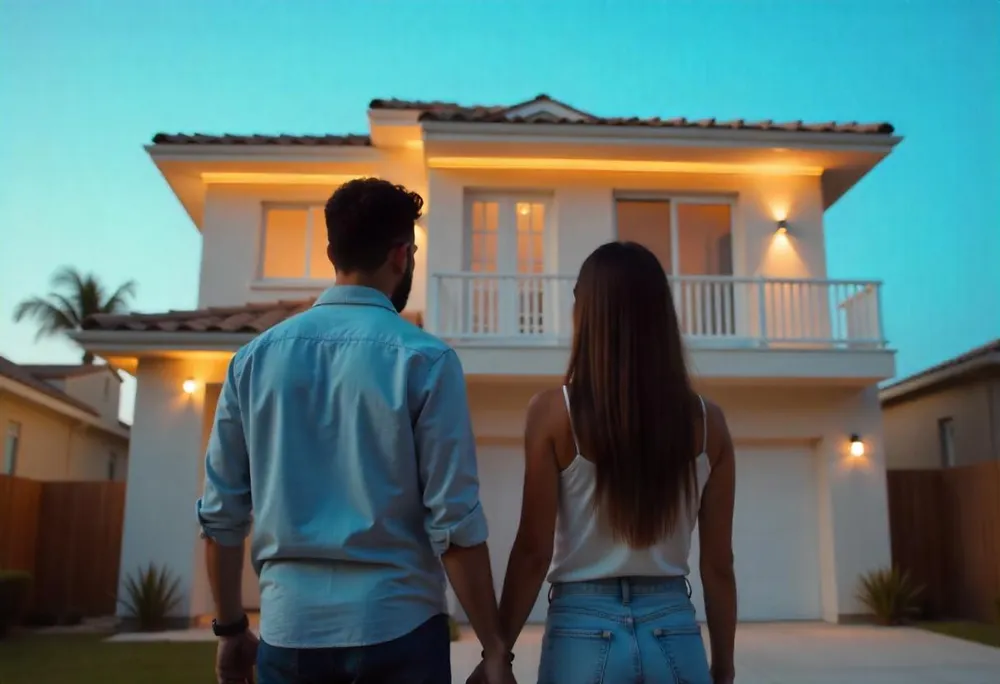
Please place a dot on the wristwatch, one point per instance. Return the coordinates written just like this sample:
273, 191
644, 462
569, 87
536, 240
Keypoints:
232, 629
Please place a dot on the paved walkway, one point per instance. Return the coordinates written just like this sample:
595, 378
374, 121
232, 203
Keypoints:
779, 653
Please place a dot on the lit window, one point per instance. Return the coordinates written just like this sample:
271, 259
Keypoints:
294, 244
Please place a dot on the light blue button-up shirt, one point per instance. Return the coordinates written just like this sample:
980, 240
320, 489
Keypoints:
346, 431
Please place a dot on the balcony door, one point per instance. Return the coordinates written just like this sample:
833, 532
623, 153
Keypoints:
506, 293
692, 238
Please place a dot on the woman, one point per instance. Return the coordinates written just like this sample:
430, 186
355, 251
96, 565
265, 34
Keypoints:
621, 462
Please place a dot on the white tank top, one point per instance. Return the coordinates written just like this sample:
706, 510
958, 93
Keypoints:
585, 548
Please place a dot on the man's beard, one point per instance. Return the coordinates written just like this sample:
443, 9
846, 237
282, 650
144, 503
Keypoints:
402, 292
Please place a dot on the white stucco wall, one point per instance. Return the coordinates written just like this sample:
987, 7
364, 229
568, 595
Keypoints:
584, 214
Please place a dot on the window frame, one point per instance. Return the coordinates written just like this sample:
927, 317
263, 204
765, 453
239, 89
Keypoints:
506, 257
10, 455
304, 282
677, 198
946, 442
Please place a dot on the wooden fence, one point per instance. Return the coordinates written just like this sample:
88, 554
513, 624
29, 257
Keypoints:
945, 528
68, 536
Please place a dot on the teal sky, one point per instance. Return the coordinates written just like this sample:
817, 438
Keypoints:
85, 83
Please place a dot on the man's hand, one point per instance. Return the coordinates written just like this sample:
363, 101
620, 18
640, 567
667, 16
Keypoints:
235, 659
493, 670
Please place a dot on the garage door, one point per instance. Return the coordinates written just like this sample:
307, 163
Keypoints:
501, 476
775, 536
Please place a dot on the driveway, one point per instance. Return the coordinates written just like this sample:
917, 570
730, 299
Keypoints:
811, 653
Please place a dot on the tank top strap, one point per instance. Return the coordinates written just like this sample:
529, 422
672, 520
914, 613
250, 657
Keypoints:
572, 429
704, 425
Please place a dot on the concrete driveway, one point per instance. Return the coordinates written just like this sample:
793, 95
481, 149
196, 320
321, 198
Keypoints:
810, 653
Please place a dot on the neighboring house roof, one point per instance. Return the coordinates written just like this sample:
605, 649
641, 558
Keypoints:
13, 371
249, 318
458, 113
973, 361
53, 371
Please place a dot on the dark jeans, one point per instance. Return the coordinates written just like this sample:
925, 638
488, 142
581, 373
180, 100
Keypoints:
421, 657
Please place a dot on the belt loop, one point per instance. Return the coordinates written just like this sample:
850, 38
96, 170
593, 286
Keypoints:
687, 586
552, 591
626, 586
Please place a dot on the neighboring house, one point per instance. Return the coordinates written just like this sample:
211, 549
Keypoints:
60, 422
947, 415
517, 196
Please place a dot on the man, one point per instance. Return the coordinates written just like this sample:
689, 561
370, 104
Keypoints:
346, 430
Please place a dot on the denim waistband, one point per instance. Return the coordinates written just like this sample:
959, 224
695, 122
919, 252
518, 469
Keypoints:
624, 587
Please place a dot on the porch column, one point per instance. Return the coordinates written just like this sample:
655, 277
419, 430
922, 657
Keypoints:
853, 501
164, 478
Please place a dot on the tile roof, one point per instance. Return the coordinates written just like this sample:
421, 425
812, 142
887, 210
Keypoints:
453, 112
249, 318
53, 371
948, 369
280, 139
435, 110
13, 371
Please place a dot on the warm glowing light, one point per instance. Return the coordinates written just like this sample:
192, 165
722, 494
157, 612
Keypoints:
523, 209
189, 386
782, 227
857, 447
622, 165
265, 178
779, 211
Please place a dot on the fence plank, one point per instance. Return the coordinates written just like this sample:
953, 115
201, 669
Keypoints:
68, 535
946, 531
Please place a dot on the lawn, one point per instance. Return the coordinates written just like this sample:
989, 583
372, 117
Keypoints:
970, 631
87, 659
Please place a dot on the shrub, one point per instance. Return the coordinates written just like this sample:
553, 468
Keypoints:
150, 594
890, 594
14, 586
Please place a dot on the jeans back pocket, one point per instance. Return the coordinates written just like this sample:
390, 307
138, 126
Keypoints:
574, 656
684, 650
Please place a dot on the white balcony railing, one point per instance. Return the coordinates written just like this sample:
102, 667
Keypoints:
731, 311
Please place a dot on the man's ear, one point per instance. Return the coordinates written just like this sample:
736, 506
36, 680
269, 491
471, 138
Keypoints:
399, 257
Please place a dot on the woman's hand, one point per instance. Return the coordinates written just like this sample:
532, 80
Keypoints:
492, 671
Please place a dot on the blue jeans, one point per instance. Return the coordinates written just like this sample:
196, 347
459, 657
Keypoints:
623, 631
421, 657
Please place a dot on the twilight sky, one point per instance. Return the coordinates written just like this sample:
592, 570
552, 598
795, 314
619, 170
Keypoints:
85, 83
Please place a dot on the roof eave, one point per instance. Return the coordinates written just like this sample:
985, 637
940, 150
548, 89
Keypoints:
672, 135
935, 377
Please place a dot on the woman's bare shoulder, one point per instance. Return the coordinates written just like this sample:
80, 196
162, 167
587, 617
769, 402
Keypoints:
720, 442
548, 403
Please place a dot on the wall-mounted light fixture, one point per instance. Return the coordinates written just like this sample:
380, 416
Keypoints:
857, 447
189, 386
782, 228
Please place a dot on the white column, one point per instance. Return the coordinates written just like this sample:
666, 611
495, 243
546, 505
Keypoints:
164, 476
854, 511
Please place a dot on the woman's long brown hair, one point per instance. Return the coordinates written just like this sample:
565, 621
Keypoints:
633, 407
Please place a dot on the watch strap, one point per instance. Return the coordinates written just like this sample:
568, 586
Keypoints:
231, 629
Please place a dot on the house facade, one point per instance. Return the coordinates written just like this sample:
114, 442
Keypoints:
60, 422
946, 416
516, 197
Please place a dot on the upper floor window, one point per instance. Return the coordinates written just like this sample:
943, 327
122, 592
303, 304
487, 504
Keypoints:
293, 243
946, 437
11, 445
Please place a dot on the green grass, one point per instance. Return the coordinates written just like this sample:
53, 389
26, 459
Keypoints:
87, 659
970, 631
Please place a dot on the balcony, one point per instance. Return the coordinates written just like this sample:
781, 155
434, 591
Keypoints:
499, 313
524, 310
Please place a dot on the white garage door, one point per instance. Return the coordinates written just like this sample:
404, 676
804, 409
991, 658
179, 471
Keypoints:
775, 536
501, 477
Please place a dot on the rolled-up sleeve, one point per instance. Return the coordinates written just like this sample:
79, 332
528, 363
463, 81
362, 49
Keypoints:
446, 453
224, 510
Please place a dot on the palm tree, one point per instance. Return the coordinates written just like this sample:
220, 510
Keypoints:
81, 296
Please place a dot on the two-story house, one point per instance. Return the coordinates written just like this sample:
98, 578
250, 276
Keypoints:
517, 196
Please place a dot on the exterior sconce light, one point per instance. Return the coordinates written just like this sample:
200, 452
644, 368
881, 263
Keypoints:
189, 386
857, 447
782, 228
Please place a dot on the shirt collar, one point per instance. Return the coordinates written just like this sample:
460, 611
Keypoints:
357, 295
